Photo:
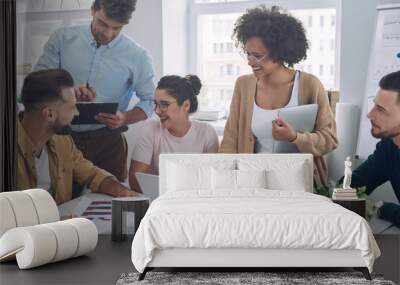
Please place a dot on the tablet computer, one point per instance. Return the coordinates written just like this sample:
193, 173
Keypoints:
88, 111
302, 119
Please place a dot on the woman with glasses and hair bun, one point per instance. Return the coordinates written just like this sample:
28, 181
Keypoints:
172, 131
272, 42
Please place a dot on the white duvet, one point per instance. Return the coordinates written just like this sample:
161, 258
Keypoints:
250, 219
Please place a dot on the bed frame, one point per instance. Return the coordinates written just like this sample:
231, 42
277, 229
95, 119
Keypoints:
242, 259
246, 258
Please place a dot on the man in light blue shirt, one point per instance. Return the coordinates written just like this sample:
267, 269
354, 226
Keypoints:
107, 67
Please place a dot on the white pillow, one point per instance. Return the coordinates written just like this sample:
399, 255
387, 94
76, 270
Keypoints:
185, 175
281, 174
223, 179
294, 180
192, 177
251, 178
227, 179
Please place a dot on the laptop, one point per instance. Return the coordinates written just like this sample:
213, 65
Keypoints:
302, 119
149, 184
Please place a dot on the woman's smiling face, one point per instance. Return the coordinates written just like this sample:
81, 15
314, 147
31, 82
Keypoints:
168, 110
257, 58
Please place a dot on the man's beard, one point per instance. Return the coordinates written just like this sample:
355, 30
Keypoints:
62, 130
387, 134
100, 39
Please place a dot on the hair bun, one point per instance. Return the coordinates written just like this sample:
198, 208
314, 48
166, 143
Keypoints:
195, 82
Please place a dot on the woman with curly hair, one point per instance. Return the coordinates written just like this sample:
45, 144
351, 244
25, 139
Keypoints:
273, 41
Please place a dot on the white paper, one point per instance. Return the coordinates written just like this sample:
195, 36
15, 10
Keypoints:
75, 207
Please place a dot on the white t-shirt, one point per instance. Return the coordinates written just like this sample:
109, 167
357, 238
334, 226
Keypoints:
154, 140
261, 123
42, 170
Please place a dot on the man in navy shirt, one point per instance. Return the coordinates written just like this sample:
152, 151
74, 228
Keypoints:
384, 164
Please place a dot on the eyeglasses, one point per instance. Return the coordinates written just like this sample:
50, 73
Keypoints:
248, 56
162, 105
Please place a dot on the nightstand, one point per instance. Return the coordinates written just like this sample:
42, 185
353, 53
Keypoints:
357, 206
137, 204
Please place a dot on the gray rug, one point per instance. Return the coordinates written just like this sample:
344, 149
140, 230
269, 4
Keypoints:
243, 278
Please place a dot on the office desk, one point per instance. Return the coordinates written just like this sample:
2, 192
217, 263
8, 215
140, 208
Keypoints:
102, 266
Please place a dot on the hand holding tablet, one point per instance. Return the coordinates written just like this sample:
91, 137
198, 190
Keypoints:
88, 111
113, 121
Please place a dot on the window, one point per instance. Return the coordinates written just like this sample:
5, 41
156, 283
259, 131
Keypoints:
219, 66
229, 47
221, 71
321, 46
229, 69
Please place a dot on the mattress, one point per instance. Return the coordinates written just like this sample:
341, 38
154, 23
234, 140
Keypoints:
250, 219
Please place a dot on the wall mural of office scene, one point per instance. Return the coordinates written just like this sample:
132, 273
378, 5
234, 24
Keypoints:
147, 139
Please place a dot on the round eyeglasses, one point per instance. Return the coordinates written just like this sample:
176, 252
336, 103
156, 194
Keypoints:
251, 57
162, 105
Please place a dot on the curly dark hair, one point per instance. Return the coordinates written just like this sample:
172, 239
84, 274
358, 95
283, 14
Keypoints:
281, 33
182, 88
118, 10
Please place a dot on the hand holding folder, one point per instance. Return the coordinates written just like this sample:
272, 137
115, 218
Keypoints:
300, 119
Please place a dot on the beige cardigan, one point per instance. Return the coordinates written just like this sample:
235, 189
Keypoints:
238, 136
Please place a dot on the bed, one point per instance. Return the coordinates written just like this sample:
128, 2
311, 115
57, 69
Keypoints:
241, 210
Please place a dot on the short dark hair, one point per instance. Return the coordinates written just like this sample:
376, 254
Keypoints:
391, 82
44, 86
118, 10
281, 33
182, 88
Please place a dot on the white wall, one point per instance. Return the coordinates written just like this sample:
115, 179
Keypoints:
145, 28
357, 30
175, 36
160, 26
